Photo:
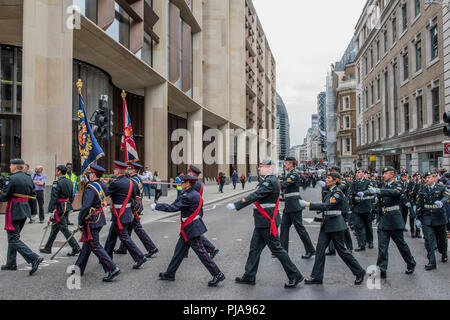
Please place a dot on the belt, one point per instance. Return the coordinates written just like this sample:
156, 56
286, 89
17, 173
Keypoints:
431, 206
365, 198
267, 205
292, 194
333, 213
119, 206
389, 209
196, 218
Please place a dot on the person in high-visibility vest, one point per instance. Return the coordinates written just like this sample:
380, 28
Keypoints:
74, 179
178, 182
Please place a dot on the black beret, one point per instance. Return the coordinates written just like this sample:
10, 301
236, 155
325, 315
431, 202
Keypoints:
335, 175
387, 169
62, 168
336, 168
17, 161
429, 173
290, 159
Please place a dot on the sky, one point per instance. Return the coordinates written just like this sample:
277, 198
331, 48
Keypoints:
306, 37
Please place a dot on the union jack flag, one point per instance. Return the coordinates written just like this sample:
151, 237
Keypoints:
128, 144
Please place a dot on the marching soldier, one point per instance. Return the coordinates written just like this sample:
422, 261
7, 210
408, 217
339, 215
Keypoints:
332, 230
361, 210
122, 194
91, 219
61, 196
266, 199
17, 191
432, 216
391, 223
404, 201
136, 225
416, 190
190, 204
292, 213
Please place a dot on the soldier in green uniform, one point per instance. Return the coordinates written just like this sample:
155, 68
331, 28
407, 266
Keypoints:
404, 201
292, 213
432, 216
17, 191
391, 223
416, 189
361, 210
332, 229
266, 199
61, 196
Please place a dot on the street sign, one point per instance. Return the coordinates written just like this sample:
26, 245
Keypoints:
447, 148
372, 158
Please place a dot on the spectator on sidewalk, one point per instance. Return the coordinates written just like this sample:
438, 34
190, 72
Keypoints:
39, 180
147, 176
72, 177
31, 202
234, 179
243, 179
221, 182
178, 182
249, 177
158, 189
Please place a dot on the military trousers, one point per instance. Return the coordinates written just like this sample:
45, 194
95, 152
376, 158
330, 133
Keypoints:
412, 222
404, 210
16, 245
142, 235
363, 228
260, 239
337, 238
95, 247
114, 233
296, 219
181, 249
384, 237
56, 228
435, 237
347, 240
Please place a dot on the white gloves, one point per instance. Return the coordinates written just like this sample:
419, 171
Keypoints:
153, 206
322, 184
360, 194
439, 204
52, 215
418, 224
374, 190
231, 206
408, 204
304, 203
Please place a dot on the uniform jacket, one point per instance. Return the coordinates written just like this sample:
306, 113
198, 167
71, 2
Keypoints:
390, 195
118, 190
334, 200
432, 216
91, 199
267, 192
61, 189
138, 188
19, 183
187, 203
199, 189
291, 184
361, 204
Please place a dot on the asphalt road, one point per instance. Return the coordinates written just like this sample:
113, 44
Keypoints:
231, 232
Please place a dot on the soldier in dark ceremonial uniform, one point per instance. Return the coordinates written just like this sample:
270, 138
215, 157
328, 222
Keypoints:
391, 223
416, 189
267, 219
292, 213
122, 194
17, 191
61, 196
192, 227
361, 210
404, 201
332, 229
91, 219
136, 225
432, 216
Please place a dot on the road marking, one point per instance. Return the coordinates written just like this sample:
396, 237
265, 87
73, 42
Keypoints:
166, 237
238, 239
214, 239
308, 220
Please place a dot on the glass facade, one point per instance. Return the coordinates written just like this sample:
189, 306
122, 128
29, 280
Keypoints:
146, 53
88, 8
119, 30
429, 160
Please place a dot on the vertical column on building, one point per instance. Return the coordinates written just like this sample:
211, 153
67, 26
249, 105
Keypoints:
446, 35
224, 149
403, 159
47, 84
241, 152
195, 128
415, 161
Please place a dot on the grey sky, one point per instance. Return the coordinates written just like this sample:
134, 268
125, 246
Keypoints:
306, 36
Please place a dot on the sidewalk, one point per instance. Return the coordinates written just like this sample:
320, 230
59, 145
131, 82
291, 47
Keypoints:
32, 233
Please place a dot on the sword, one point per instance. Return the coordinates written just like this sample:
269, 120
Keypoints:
67, 241
45, 232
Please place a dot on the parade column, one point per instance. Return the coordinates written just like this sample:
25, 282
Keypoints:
47, 84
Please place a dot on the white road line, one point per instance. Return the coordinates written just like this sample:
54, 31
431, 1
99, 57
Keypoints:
166, 237
308, 220
238, 239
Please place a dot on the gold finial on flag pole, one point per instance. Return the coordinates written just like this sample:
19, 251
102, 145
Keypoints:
79, 85
124, 95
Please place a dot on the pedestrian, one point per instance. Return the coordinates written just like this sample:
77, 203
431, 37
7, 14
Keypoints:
91, 219
178, 182
61, 196
192, 227
433, 218
332, 229
243, 179
17, 192
249, 177
147, 177
221, 182
39, 180
122, 194
391, 223
158, 187
292, 213
31, 202
266, 218
74, 179
234, 179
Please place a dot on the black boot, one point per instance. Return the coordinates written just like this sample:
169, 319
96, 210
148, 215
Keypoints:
245, 280
360, 278
35, 265
216, 280
111, 275
166, 276
293, 282
8, 267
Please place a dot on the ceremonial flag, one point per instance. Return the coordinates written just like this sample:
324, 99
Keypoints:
128, 143
90, 150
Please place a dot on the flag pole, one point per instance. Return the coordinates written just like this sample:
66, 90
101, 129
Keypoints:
123, 145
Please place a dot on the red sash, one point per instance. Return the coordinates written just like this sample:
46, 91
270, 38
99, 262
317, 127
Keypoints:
201, 189
122, 209
8, 214
190, 219
62, 200
273, 225
86, 234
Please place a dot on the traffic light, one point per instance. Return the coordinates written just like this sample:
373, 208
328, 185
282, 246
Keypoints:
110, 125
103, 120
447, 123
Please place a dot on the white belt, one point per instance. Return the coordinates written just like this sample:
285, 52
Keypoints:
118, 207
389, 209
365, 198
431, 206
333, 213
196, 218
292, 194
267, 205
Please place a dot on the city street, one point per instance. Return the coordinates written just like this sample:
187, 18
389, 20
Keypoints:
231, 233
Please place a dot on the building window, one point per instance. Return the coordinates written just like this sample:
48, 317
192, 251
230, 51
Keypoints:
367, 132
348, 146
359, 74
88, 8
347, 103
146, 53
366, 64
371, 58
404, 17
378, 89
419, 104
434, 42
405, 66
119, 30
429, 160
372, 95
379, 128
396, 116
394, 30
406, 108
378, 50
386, 102
347, 122
359, 104
418, 56
385, 38
367, 98
416, 8
373, 130
435, 104
360, 137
